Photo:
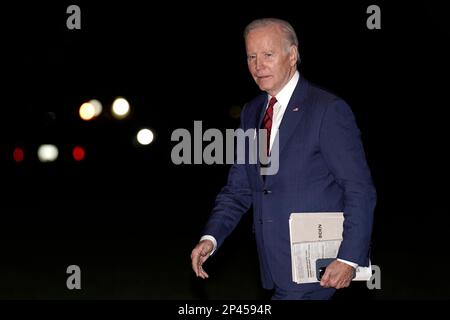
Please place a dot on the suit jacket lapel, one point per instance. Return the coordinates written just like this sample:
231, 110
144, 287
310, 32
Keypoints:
262, 110
293, 114
291, 119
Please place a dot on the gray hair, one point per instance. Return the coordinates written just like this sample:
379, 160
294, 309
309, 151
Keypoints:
286, 28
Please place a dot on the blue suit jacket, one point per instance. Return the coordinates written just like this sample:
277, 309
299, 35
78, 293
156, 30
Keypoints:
322, 167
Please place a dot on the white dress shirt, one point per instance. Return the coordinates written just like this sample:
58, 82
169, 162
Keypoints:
279, 108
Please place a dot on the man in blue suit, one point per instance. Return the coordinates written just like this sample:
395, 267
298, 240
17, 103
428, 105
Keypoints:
322, 168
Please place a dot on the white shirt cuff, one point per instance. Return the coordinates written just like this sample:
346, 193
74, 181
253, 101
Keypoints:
211, 238
354, 265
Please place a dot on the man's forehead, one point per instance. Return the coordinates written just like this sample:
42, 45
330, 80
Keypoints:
263, 37
268, 30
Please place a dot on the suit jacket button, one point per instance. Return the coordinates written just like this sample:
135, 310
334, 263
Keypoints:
265, 191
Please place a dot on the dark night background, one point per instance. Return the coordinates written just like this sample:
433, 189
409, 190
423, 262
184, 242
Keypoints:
129, 217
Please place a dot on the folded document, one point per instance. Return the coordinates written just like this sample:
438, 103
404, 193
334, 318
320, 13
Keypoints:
316, 235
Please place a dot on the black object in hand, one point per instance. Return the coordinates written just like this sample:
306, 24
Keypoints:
321, 266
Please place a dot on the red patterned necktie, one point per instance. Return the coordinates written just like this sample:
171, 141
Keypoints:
267, 121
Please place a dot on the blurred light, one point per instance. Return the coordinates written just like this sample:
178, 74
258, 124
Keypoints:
97, 106
78, 153
47, 153
87, 111
51, 116
18, 154
235, 112
120, 108
145, 136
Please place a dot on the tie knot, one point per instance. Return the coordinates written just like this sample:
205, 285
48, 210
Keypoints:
272, 102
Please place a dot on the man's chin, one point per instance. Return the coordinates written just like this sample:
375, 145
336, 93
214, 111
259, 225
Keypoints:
263, 87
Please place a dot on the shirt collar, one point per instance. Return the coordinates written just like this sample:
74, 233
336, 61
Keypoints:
285, 94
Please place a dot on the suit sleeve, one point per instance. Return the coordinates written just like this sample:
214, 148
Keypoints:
231, 203
343, 152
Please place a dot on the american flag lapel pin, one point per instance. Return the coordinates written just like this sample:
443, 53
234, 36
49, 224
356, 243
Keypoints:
295, 109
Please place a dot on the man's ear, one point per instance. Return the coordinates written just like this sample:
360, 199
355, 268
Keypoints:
293, 55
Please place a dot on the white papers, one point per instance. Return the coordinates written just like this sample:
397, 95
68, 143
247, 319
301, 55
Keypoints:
316, 235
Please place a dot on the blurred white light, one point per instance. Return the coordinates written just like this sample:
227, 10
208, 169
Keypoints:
145, 136
87, 111
47, 153
97, 106
120, 108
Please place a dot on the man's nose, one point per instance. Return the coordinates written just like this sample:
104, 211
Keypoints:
258, 64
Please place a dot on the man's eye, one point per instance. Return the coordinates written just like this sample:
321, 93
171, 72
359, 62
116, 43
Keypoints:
269, 55
250, 57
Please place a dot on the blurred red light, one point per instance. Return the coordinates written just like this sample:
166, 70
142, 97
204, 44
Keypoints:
78, 153
18, 154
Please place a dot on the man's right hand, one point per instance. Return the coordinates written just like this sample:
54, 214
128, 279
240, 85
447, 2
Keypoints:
199, 255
